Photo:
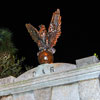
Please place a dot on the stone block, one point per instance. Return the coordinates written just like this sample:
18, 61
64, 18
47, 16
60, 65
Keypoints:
86, 61
43, 94
6, 98
66, 92
27, 75
46, 69
89, 90
24, 96
7, 80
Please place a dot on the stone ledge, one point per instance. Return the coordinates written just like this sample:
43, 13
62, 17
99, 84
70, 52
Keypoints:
55, 79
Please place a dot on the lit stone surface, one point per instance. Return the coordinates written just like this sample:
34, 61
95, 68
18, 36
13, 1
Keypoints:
24, 96
54, 82
86, 61
6, 98
51, 80
66, 92
89, 90
43, 94
45, 69
7, 80
53, 68
27, 75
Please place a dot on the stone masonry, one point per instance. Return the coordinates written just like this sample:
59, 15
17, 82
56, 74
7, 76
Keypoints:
57, 81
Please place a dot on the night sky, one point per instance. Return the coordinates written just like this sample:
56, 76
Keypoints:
79, 38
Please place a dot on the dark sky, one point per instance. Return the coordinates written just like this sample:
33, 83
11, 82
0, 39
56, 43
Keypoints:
79, 38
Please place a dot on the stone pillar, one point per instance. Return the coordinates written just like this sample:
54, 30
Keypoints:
43, 94
55, 82
24, 96
66, 92
89, 90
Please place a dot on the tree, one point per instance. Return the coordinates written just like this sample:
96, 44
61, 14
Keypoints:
9, 64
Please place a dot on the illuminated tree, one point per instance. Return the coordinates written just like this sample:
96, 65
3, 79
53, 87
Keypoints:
9, 64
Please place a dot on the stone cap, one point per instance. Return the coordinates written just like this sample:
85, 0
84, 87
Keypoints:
86, 61
45, 69
7, 80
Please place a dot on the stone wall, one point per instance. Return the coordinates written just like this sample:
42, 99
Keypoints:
58, 81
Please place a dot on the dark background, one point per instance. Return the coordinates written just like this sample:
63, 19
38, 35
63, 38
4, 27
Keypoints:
79, 36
